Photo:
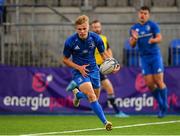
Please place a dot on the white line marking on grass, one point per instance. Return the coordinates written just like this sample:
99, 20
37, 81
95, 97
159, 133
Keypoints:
95, 129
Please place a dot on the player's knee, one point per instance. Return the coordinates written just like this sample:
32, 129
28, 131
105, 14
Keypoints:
161, 85
91, 97
97, 96
109, 90
150, 85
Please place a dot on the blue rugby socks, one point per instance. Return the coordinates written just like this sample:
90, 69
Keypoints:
163, 94
80, 95
157, 96
96, 107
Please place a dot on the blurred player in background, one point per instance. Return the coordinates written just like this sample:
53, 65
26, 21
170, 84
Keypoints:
81, 46
146, 34
96, 27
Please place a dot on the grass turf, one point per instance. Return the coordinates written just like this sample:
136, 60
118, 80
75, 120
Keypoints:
20, 125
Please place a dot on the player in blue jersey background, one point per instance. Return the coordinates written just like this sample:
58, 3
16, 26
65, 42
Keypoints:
146, 35
81, 48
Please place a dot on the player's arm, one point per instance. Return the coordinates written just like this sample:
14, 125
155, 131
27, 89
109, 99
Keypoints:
101, 49
108, 54
105, 55
156, 31
66, 60
109, 51
69, 63
133, 39
157, 39
82, 69
67, 52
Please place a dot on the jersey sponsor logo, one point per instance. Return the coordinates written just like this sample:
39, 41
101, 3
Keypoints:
85, 51
145, 35
142, 32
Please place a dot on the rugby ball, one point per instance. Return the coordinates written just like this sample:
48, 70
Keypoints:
108, 66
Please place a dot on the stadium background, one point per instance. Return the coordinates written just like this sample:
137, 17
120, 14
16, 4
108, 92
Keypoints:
32, 37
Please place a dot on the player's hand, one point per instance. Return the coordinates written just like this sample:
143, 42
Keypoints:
151, 41
117, 68
83, 70
134, 34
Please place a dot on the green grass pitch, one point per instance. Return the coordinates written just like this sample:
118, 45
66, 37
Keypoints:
88, 125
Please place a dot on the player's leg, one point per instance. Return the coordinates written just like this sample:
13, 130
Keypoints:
77, 96
102, 77
148, 71
95, 81
77, 93
158, 76
106, 84
97, 93
163, 90
87, 89
71, 86
155, 91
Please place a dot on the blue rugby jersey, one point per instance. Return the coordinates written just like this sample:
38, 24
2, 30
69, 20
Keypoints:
146, 31
82, 51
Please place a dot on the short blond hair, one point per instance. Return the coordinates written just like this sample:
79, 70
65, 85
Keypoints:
81, 20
